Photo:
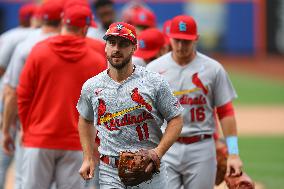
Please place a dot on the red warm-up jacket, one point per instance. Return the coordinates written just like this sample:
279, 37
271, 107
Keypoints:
49, 89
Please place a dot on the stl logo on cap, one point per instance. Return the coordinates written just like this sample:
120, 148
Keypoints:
142, 17
142, 44
168, 29
182, 26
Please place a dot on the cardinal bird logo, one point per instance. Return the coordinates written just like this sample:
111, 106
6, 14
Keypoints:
197, 82
101, 110
136, 97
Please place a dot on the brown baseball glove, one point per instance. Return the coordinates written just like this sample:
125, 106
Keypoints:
222, 156
241, 182
132, 166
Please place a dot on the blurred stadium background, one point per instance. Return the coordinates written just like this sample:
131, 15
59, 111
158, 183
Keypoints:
247, 37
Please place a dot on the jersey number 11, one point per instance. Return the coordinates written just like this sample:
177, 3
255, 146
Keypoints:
143, 132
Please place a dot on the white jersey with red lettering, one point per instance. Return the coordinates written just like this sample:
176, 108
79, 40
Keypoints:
128, 115
200, 86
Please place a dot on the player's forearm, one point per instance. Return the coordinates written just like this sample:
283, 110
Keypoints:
9, 109
25, 97
230, 132
229, 126
170, 136
87, 137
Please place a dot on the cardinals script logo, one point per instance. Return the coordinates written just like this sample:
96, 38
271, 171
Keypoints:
111, 120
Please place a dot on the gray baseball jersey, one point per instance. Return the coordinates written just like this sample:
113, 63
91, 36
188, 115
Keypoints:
9, 41
200, 86
128, 115
20, 55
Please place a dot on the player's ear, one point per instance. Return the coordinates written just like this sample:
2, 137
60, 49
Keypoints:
134, 48
85, 30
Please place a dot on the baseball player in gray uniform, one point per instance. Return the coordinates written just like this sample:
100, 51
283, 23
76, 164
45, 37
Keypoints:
8, 42
201, 84
51, 14
127, 105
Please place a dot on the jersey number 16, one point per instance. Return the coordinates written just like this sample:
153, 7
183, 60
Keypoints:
197, 114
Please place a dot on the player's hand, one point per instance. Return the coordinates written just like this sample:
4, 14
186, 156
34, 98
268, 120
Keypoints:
8, 144
150, 168
234, 166
155, 164
87, 169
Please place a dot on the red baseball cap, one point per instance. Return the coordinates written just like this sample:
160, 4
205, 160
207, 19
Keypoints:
51, 11
122, 29
78, 15
183, 27
167, 26
37, 12
143, 17
150, 41
26, 12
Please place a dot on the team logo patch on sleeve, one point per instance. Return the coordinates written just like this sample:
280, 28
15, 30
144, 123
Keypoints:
177, 104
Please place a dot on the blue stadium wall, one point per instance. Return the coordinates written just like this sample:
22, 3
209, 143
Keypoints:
237, 38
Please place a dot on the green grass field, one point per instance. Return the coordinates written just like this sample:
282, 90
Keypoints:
263, 159
256, 90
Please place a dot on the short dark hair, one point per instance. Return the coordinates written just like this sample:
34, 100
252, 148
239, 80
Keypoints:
25, 23
74, 29
101, 3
